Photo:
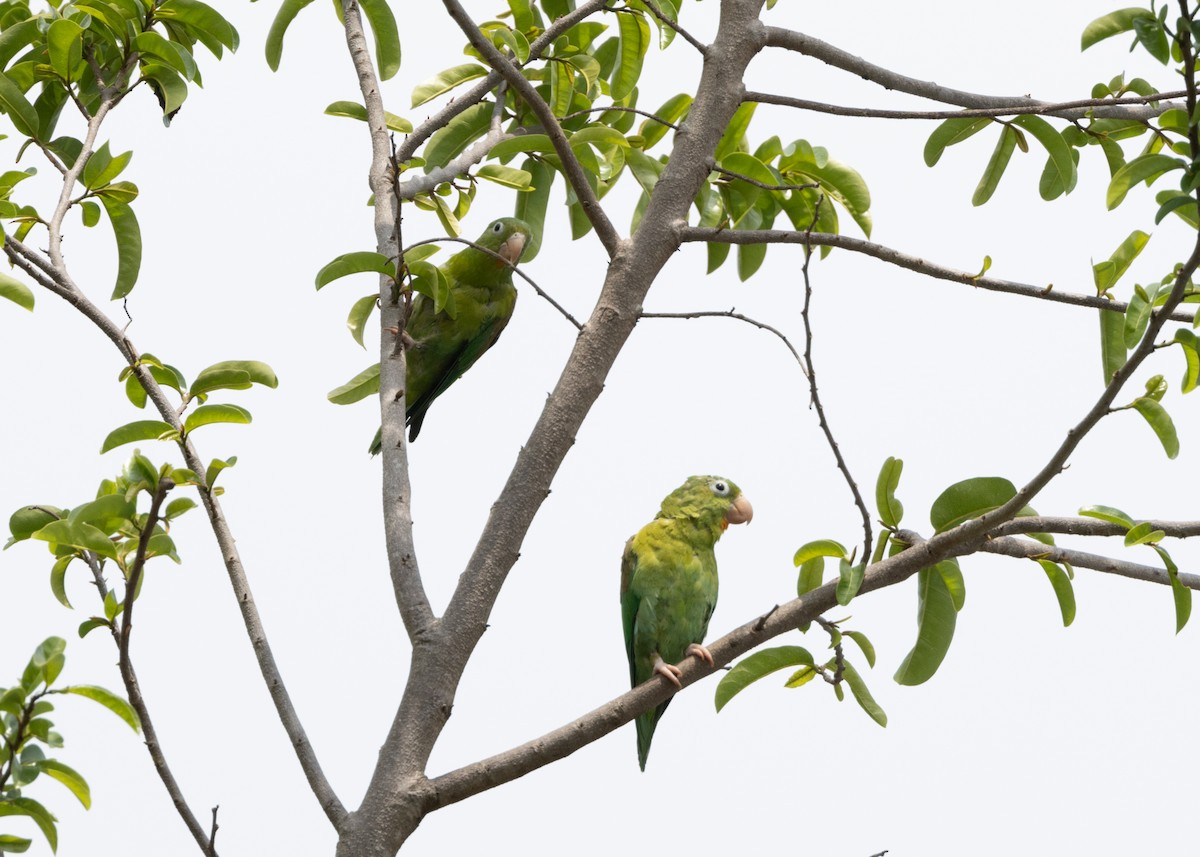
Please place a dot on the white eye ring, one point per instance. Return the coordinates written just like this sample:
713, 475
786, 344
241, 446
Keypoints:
497, 227
719, 487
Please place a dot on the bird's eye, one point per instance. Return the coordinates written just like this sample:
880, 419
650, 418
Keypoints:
719, 487
497, 227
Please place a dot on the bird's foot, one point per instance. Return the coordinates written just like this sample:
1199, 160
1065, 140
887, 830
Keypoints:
668, 671
700, 652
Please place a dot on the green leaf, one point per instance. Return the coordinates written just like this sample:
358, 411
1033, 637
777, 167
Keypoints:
673, 110
1153, 36
69, 777
1106, 277
90, 212
1191, 353
820, 547
969, 499
756, 666
749, 259
233, 375
733, 140
521, 143
205, 22
505, 176
995, 167
29, 808
950, 132
862, 696
1112, 24
812, 574
176, 57
1179, 203
531, 206
137, 431
1107, 513
129, 245
359, 314
10, 844
387, 36
16, 291
58, 580
1158, 418
429, 280
1112, 343
952, 576
178, 506
562, 86
170, 88
1142, 168
1063, 590
18, 108
283, 19
450, 140
77, 534
109, 700
936, 619
801, 677
358, 262
444, 81
1061, 161
891, 510
365, 383
850, 578
354, 110
64, 42
864, 644
208, 414
1143, 533
635, 39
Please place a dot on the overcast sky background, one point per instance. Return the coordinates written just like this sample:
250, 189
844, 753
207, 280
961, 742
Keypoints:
1030, 737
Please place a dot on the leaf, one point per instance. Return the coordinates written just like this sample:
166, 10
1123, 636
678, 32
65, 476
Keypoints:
505, 176
531, 207
812, 573
451, 139
1112, 343
205, 22
365, 383
756, 666
233, 375
1061, 160
1191, 353
1180, 203
354, 110
1107, 276
77, 534
208, 414
1158, 418
862, 696
16, 291
358, 262
864, 644
996, 166
635, 39
387, 36
137, 431
952, 576
1142, 168
444, 81
359, 314
1063, 590
1112, 24
891, 510
10, 844
969, 499
129, 245
69, 777
820, 547
733, 138
283, 19
950, 132
109, 700
936, 619
850, 578
1143, 533
521, 143
673, 110
1107, 513
29, 808
64, 43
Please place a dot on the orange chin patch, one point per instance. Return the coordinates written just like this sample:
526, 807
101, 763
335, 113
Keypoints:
724, 525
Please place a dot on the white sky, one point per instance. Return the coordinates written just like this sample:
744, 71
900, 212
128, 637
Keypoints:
1030, 738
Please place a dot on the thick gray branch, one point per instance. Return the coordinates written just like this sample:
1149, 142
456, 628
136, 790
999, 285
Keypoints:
909, 262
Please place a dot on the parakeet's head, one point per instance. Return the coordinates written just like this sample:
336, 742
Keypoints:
506, 236
711, 500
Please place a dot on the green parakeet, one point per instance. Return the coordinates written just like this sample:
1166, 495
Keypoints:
442, 346
669, 584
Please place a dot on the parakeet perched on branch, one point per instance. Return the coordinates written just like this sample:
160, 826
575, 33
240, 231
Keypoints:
669, 584
441, 347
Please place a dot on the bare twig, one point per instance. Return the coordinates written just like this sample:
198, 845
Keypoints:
909, 262
612, 107
516, 270
674, 25
734, 315
731, 174
811, 372
1079, 109
1027, 549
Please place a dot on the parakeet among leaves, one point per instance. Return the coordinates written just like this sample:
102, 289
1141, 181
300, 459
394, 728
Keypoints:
669, 584
443, 345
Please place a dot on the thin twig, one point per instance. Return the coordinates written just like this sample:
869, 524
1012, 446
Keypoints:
674, 25
646, 113
212, 836
811, 372
1028, 549
1079, 109
516, 270
909, 262
763, 185
839, 655
734, 315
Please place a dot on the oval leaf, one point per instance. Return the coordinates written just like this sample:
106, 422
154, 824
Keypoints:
755, 667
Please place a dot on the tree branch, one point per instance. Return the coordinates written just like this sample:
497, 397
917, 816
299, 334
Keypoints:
734, 315
1027, 549
674, 25
1090, 527
809, 46
571, 167
911, 263
1073, 110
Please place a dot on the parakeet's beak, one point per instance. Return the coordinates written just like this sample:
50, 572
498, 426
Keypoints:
512, 248
741, 511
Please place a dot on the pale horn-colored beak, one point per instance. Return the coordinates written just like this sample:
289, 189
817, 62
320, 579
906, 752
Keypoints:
741, 511
512, 248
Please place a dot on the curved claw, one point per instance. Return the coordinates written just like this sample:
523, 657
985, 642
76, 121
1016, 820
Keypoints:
700, 652
668, 671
